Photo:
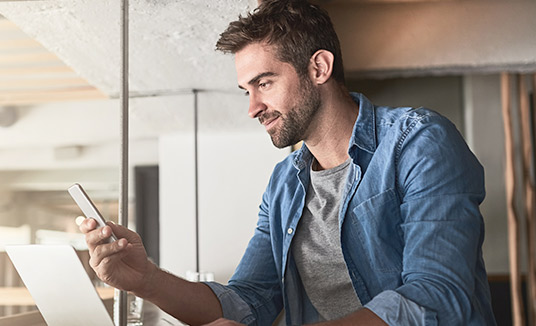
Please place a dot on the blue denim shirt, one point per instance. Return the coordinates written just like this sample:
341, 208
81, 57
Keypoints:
410, 227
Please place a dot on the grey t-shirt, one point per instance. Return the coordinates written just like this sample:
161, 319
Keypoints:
317, 249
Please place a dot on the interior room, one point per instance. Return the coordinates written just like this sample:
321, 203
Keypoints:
197, 164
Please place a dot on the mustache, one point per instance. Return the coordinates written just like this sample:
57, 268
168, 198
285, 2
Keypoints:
269, 116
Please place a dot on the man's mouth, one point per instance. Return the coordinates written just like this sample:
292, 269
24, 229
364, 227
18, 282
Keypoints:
269, 122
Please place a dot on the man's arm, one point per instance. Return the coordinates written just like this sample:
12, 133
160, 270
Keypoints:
191, 302
124, 264
440, 186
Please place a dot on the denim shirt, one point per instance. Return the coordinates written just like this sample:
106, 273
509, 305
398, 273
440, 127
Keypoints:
410, 227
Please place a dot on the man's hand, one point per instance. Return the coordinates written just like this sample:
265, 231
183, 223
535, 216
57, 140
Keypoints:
223, 322
122, 264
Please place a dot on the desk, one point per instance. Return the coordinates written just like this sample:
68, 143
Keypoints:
153, 316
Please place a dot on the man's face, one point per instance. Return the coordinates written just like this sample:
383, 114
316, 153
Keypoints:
284, 102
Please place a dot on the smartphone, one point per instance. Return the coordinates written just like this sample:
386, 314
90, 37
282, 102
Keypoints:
88, 208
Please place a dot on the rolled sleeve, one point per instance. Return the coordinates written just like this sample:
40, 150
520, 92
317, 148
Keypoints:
234, 308
407, 312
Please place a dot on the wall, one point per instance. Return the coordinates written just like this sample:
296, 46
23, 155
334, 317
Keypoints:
435, 37
442, 94
234, 168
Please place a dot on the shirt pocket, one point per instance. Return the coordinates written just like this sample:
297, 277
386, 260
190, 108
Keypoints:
376, 222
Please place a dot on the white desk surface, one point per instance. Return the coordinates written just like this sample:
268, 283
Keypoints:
19, 296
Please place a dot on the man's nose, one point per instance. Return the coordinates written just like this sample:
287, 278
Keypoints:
256, 106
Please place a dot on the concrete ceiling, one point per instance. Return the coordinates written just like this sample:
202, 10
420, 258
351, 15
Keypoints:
171, 42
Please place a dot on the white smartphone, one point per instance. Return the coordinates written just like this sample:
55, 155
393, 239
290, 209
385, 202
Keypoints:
88, 208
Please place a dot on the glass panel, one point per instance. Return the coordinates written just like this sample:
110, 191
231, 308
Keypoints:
58, 125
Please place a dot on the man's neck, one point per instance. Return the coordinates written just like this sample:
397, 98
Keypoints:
329, 140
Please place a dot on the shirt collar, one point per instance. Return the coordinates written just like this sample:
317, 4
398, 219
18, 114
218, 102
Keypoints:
364, 133
302, 157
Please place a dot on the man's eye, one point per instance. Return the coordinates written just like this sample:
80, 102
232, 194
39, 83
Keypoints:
264, 85
246, 93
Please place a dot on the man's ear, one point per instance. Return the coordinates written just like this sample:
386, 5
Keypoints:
321, 66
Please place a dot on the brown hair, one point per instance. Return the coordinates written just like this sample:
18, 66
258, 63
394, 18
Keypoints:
296, 28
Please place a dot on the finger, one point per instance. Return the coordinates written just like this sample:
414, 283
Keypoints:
97, 236
87, 225
106, 252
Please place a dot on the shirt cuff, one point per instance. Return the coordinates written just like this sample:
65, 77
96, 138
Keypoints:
394, 309
234, 308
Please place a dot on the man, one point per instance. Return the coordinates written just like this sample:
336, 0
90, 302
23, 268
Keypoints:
373, 221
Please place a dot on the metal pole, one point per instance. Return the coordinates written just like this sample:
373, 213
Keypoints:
196, 155
120, 313
123, 97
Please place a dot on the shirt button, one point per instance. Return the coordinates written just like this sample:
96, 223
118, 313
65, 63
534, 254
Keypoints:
290, 230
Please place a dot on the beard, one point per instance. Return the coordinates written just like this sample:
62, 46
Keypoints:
294, 124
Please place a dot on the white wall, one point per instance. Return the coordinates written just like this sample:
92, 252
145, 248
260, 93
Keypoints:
236, 158
234, 172
177, 203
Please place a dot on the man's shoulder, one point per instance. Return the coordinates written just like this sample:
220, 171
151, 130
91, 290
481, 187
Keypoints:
378, 120
386, 115
402, 120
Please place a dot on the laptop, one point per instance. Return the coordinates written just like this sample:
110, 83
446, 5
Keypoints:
59, 285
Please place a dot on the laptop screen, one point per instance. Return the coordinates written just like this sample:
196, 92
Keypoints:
59, 285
